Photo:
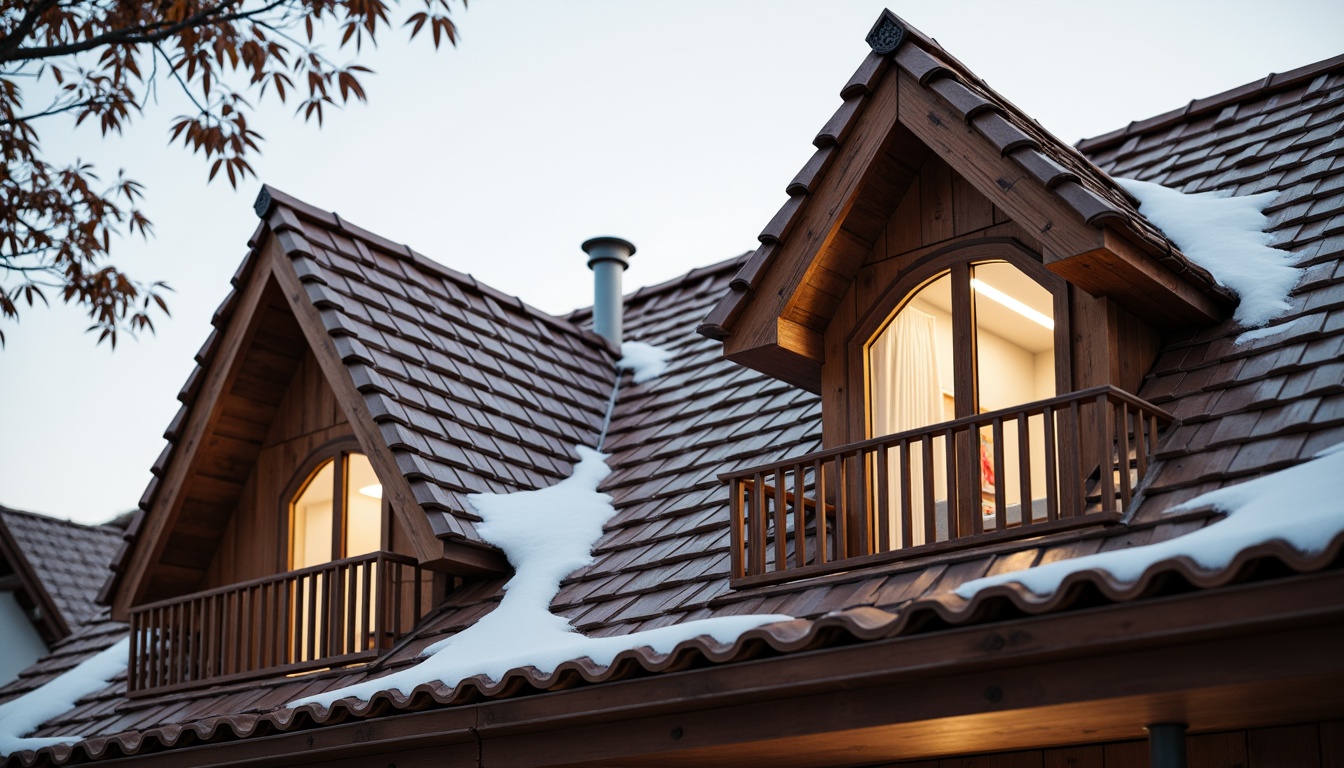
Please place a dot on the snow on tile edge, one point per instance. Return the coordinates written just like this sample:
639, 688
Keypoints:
546, 535
20, 717
1299, 506
1226, 236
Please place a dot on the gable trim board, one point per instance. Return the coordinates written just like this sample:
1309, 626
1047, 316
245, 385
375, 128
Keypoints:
53, 625
1087, 227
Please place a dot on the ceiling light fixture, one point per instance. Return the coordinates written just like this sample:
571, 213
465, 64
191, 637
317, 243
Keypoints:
990, 292
374, 491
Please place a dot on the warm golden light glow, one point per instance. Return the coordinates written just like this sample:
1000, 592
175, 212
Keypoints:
372, 491
990, 292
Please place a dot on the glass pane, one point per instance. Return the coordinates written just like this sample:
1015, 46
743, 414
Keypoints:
910, 385
310, 523
1015, 364
910, 363
364, 505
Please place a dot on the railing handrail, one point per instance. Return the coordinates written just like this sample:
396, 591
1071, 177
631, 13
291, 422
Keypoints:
1029, 409
380, 555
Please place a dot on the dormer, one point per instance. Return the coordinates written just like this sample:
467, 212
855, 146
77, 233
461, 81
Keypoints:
311, 504
974, 301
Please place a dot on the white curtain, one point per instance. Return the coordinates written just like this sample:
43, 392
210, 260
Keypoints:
906, 395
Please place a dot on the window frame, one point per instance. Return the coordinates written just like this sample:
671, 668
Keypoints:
957, 259
336, 451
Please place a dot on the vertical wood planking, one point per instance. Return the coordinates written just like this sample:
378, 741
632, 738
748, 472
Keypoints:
1000, 495
930, 503
819, 473
1049, 432
1024, 468
841, 508
1122, 434
756, 541
907, 519
935, 198
737, 510
800, 515
1106, 456
882, 507
780, 519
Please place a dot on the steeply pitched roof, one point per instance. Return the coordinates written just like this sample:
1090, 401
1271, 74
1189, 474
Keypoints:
1067, 176
473, 390
68, 561
1246, 409
469, 389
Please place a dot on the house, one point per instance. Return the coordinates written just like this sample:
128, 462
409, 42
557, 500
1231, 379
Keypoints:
963, 381
50, 573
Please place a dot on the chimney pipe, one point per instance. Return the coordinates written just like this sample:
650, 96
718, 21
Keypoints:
608, 257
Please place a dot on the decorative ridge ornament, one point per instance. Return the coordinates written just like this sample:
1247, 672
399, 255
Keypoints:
263, 203
886, 35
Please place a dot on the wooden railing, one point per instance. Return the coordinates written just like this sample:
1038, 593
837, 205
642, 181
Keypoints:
1065, 462
328, 615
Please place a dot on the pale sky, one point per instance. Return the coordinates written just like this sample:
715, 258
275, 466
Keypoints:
674, 125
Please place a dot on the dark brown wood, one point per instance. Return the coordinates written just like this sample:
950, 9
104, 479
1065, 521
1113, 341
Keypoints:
239, 627
1076, 677
860, 504
1283, 747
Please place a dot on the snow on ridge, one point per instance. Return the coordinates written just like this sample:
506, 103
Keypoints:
646, 360
546, 535
1226, 236
1299, 506
20, 717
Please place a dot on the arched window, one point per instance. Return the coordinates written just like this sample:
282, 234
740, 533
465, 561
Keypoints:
973, 331
977, 337
337, 512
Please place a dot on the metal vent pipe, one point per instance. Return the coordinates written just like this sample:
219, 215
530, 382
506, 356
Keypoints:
608, 257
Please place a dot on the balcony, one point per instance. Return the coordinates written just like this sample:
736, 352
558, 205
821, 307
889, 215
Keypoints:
1067, 462
330, 615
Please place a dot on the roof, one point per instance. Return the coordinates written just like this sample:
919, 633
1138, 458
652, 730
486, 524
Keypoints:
67, 561
1246, 409
471, 390
1068, 175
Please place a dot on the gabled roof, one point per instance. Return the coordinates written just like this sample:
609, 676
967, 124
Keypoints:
60, 564
451, 386
472, 390
1246, 409
898, 108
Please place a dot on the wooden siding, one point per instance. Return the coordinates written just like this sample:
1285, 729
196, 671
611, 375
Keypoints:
1304, 745
939, 213
307, 419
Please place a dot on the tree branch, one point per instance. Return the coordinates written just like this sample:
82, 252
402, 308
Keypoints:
149, 33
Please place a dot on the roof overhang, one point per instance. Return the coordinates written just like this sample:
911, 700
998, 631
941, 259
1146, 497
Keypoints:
1214, 659
898, 107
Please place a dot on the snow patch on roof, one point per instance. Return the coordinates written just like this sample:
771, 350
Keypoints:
546, 535
1226, 236
646, 360
1299, 506
20, 717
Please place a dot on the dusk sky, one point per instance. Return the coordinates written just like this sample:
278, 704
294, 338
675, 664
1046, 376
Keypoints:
674, 125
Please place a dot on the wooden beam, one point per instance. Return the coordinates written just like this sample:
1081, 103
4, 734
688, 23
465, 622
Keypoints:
1214, 659
1100, 261
396, 490
1137, 281
205, 412
819, 226
999, 179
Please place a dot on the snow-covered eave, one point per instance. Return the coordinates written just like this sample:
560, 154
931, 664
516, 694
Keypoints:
839, 628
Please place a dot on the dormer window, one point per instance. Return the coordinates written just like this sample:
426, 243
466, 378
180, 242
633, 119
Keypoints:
970, 430
977, 337
337, 512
